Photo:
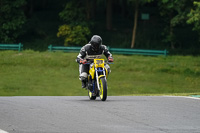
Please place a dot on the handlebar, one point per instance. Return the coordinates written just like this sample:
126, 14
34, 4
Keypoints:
90, 62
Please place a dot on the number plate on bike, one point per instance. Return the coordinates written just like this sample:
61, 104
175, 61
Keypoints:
99, 62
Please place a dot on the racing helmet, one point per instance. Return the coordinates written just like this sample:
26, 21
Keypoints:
96, 43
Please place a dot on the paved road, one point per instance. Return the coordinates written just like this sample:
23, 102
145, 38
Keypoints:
121, 114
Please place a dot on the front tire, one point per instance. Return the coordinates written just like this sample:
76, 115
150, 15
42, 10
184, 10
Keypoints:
103, 89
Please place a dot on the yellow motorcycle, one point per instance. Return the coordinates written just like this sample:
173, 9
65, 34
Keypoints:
97, 80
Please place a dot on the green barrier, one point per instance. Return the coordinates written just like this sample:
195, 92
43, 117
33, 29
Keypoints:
18, 47
197, 96
138, 51
63, 48
112, 50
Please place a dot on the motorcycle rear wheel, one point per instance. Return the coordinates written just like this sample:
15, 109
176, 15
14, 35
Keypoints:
103, 89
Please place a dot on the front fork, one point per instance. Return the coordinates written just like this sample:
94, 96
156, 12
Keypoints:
98, 77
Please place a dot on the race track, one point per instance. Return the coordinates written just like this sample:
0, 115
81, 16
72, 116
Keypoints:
119, 114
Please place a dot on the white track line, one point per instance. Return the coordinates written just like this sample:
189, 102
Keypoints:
2, 131
185, 97
193, 98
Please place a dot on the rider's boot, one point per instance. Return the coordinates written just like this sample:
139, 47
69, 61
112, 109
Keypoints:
90, 87
83, 84
83, 78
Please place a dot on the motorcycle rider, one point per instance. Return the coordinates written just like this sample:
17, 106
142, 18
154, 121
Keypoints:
94, 49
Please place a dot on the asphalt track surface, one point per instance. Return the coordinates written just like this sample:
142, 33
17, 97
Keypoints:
119, 114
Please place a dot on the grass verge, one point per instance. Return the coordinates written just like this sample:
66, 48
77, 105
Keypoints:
31, 73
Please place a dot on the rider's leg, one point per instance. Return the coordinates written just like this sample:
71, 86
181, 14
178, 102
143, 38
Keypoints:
83, 70
108, 68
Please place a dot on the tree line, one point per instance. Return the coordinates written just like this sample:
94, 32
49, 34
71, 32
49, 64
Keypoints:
79, 18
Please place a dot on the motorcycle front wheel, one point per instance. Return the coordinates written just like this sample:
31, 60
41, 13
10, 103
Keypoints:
103, 89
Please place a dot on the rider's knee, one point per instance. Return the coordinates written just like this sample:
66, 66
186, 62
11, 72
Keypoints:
83, 76
108, 68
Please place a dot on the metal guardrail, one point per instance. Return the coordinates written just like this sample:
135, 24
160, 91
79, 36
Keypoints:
63, 48
113, 50
138, 51
18, 47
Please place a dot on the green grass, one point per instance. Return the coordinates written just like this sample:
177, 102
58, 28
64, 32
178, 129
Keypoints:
31, 73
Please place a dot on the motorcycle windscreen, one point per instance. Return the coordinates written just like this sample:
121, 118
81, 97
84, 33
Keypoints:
92, 57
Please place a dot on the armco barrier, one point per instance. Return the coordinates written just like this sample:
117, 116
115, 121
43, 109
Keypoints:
63, 48
138, 51
112, 50
18, 47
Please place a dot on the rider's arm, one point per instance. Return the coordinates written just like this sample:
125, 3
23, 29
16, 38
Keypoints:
107, 53
81, 55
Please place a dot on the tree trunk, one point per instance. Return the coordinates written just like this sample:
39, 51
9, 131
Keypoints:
88, 9
135, 24
93, 9
109, 15
44, 4
172, 36
31, 8
124, 8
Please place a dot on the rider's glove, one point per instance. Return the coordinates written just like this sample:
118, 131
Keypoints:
110, 59
82, 61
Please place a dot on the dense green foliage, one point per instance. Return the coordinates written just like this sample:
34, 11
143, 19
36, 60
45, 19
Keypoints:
56, 74
73, 35
73, 12
76, 30
12, 18
36, 24
194, 17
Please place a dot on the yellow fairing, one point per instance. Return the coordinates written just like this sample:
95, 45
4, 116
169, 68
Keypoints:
97, 63
92, 71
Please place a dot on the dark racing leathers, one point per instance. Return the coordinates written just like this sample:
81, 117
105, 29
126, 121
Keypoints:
87, 53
